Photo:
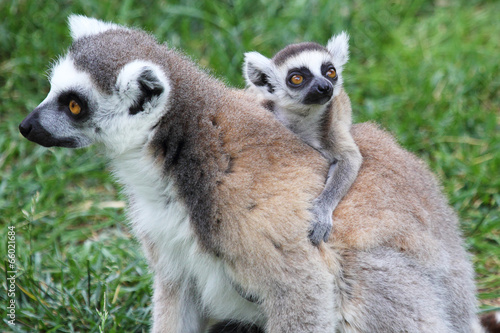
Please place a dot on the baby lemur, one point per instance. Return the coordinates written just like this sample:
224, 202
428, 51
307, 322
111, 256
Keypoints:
302, 86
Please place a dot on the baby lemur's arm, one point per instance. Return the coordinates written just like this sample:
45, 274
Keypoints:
346, 161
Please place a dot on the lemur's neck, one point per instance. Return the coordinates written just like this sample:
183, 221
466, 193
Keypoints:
136, 170
307, 125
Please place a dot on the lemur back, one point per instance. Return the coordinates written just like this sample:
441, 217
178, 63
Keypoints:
302, 86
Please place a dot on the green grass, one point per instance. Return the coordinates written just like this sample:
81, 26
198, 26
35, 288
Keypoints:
427, 71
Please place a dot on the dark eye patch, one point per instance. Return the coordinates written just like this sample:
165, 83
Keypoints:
65, 99
325, 68
302, 71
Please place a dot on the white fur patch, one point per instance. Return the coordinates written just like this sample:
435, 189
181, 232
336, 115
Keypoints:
338, 46
64, 76
82, 26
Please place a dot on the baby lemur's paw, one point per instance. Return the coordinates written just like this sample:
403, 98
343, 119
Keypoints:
322, 224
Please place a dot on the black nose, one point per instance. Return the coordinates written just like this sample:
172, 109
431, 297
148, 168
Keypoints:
324, 88
25, 128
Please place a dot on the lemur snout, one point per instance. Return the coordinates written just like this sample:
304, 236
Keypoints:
30, 127
320, 93
33, 130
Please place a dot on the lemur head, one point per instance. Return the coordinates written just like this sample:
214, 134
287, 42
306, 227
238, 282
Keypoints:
110, 87
304, 74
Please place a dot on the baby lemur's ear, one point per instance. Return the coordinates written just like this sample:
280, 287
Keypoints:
257, 70
338, 46
140, 84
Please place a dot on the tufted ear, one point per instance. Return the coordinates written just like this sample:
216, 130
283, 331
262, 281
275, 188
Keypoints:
82, 26
338, 46
257, 70
140, 85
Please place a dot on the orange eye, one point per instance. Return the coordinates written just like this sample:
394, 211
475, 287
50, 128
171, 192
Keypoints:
331, 73
74, 107
297, 79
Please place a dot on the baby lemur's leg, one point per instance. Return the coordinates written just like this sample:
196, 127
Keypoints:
340, 177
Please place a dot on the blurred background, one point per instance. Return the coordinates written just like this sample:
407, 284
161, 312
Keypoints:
427, 71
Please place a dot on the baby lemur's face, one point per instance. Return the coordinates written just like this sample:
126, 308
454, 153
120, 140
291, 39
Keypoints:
301, 75
306, 73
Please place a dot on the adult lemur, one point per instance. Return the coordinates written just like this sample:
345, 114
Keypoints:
302, 85
220, 197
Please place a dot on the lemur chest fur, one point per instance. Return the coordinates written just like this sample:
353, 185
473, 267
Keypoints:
160, 219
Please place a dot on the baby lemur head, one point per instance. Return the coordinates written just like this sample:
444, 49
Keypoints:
301, 76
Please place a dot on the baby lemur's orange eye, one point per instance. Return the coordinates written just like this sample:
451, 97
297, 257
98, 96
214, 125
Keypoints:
331, 73
297, 79
74, 107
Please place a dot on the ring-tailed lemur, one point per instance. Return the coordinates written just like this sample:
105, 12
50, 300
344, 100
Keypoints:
302, 85
184, 146
220, 196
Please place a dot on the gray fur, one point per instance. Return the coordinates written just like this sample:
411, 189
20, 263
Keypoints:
409, 303
103, 57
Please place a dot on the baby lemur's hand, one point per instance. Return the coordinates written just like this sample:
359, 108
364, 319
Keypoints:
322, 223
